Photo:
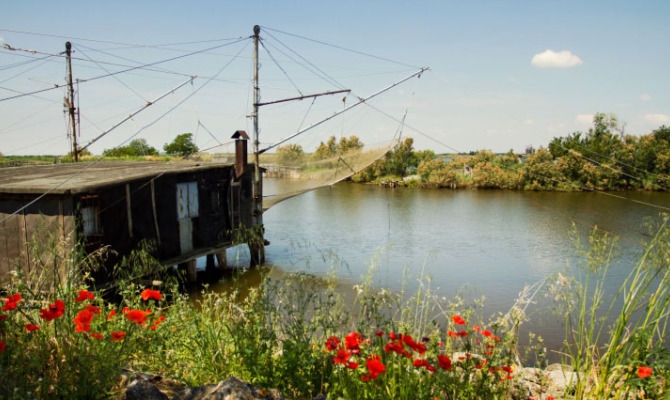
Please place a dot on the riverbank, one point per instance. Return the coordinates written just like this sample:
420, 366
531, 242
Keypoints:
297, 335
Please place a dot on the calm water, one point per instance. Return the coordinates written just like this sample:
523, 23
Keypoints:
493, 242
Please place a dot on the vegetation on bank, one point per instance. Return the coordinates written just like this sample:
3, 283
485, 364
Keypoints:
603, 158
61, 339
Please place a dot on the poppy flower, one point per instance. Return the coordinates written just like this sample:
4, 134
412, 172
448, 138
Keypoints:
444, 362
84, 295
125, 310
451, 334
93, 309
487, 333
55, 310
137, 316
644, 372
111, 314
3, 317
458, 320
352, 365
11, 302
375, 366
420, 363
379, 333
342, 356
96, 335
118, 336
151, 294
507, 369
3, 346
462, 333
83, 321
31, 327
476, 328
332, 342
352, 340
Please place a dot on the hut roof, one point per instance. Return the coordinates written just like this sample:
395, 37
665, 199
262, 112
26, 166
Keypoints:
82, 177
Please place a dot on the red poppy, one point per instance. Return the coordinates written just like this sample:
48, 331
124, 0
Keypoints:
496, 338
111, 314
3, 317
420, 363
31, 327
83, 321
444, 362
451, 334
352, 340
478, 366
379, 333
118, 336
125, 310
644, 372
3, 346
352, 365
550, 398
151, 294
476, 328
507, 369
96, 335
375, 366
365, 378
331, 343
137, 316
418, 347
84, 295
54, 311
462, 333
11, 302
153, 327
487, 333
392, 336
458, 320
342, 356
93, 309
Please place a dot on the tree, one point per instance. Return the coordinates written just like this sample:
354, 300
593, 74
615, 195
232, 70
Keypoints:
290, 154
182, 145
138, 147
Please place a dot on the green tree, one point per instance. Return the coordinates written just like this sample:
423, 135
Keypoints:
182, 145
290, 154
137, 147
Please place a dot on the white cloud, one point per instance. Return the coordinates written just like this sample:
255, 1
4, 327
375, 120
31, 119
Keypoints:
658, 119
585, 119
528, 122
552, 59
645, 97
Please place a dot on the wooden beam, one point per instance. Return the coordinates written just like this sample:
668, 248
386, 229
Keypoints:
129, 211
153, 208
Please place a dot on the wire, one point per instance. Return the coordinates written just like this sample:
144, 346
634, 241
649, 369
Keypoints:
125, 70
343, 48
280, 68
210, 132
114, 76
323, 75
113, 42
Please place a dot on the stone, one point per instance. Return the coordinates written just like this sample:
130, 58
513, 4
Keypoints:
230, 389
142, 389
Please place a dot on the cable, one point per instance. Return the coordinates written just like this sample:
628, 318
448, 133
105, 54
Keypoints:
280, 68
342, 48
125, 70
324, 75
210, 133
114, 76
112, 42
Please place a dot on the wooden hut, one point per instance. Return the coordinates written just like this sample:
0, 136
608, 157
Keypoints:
187, 209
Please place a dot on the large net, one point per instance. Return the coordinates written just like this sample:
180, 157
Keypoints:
289, 172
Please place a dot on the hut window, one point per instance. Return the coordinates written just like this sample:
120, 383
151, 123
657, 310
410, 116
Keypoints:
90, 220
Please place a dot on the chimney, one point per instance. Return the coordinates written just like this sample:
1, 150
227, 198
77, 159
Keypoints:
241, 138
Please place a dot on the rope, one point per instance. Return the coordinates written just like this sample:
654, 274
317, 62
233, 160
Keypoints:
343, 48
280, 68
124, 70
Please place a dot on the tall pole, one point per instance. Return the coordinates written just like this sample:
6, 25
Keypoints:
258, 192
73, 121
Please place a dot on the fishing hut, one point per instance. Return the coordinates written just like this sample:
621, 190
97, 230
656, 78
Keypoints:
186, 209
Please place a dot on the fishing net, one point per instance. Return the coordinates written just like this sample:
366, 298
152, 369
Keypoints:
289, 171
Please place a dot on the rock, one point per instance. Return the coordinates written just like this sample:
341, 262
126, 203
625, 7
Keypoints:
141, 389
230, 389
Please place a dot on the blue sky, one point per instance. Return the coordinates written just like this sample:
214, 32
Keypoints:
483, 90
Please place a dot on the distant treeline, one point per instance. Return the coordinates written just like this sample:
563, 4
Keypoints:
603, 158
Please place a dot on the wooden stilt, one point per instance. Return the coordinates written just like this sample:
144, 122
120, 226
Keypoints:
191, 271
222, 260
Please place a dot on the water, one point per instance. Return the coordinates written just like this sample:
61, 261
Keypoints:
494, 242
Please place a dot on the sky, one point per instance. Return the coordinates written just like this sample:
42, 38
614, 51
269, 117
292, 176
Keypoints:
503, 74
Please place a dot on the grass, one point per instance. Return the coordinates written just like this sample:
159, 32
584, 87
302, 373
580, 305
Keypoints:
299, 335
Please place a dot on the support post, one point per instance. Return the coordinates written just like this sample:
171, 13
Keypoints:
71, 108
191, 271
221, 260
